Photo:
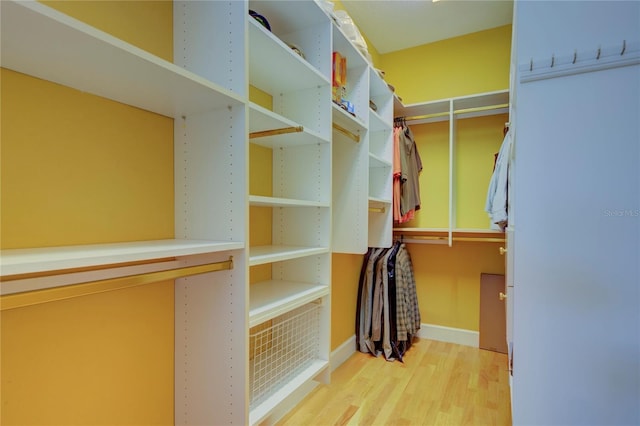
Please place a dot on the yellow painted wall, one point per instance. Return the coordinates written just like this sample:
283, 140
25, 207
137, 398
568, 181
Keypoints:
448, 281
473, 63
477, 142
147, 24
345, 273
80, 169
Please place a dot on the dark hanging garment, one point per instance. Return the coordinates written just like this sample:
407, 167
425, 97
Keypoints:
387, 316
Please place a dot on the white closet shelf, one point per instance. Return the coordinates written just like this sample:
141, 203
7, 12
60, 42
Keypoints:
263, 120
378, 200
342, 45
44, 43
376, 161
261, 411
475, 105
274, 67
259, 255
289, 16
258, 200
49, 259
378, 123
347, 121
377, 84
269, 299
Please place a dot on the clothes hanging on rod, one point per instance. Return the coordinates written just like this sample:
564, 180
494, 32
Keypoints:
387, 314
497, 203
407, 166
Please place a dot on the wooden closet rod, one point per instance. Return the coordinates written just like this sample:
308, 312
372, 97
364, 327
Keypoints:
282, 131
347, 133
19, 300
458, 111
377, 209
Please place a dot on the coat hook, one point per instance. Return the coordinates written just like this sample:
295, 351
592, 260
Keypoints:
575, 56
624, 47
531, 65
553, 60
598, 57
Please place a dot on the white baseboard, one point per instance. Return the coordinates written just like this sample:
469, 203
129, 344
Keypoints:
342, 353
441, 333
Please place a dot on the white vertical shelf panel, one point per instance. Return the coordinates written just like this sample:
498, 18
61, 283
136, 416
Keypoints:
302, 172
380, 215
350, 161
452, 175
198, 23
41, 42
211, 371
211, 185
350, 193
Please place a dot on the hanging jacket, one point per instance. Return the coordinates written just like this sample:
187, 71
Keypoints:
497, 202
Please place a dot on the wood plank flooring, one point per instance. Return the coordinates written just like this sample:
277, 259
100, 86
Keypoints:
438, 384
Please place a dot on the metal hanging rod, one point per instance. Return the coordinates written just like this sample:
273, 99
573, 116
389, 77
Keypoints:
347, 133
19, 300
282, 131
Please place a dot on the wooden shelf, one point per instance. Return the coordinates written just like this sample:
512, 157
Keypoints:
44, 43
49, 259
269, 299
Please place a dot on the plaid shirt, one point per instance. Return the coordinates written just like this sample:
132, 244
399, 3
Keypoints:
407, 312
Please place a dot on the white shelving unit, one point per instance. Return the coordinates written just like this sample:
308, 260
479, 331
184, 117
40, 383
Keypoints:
380, 230
452, 110
219, 50
362, 153
34, 38
297, 132
55, 259
350, 145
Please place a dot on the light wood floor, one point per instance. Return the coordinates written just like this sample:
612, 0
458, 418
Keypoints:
438, 384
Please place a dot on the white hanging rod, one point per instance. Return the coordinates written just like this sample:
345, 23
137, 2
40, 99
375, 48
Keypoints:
19, 300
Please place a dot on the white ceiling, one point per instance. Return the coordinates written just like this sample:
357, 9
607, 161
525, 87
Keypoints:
392, 25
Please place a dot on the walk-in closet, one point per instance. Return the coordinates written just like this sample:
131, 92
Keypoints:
260, 212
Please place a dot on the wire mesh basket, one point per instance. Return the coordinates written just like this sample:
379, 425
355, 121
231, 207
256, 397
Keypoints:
281, 348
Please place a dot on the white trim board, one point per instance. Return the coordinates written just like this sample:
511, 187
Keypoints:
342, 353
441, 333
